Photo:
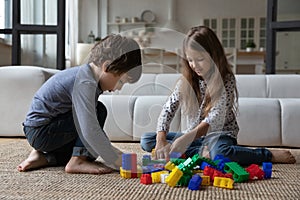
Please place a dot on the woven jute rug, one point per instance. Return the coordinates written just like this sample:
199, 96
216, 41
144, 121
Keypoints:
54, 183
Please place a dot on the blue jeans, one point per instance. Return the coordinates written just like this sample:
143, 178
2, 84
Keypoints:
59, 140
217, 144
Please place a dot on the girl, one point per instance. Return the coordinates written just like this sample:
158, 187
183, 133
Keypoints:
65, 120
208, 96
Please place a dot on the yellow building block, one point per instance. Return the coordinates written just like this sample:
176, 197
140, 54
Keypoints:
170, 166
125, 173
205, 180
156, 178
223, 182
174, 177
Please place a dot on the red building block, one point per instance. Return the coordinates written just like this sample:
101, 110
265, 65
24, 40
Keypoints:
255, 172
146, 179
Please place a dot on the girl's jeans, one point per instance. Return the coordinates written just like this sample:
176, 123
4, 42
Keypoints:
217, 144
59, 140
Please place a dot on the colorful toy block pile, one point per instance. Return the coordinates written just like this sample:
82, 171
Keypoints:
192, 172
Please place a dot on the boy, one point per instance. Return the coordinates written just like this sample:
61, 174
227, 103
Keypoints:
65, 122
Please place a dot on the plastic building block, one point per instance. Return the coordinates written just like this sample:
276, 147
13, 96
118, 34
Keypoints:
184, 180
204, 164
189, 163
146, 160
129, 162
125, 173
146, 179
267, 168
170, 166
220, 161
195, 182
209, 171
126, 161
212, 173
186, 165
177, 161
174, 177
255, 172
150, 169
239, 173
196, 171
156, 178
223, 182
153, 153
163, 178
129, 173
207, 160
221, 174
175, 155
205, 180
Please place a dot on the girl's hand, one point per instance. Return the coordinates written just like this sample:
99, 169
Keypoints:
162, 150
181, 144
162, 147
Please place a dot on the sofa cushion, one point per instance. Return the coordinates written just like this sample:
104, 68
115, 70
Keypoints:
146, 113
165, 83
144, 86
259, 122
17, 87
251, 85
283, 86
119, 122
290, 119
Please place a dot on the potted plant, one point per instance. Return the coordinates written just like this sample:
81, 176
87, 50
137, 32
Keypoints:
250, 46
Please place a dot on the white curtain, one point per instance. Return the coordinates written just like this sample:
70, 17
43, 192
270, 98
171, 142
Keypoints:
27, 42
71, 31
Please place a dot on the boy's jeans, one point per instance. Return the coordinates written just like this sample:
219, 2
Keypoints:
217, 144
59, 140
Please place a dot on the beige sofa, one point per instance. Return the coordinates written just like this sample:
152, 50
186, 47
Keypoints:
269, 106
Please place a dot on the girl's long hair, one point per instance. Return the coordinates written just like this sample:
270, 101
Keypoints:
202, 38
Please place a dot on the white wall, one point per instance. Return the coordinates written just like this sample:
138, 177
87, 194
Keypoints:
188, 12
89, 18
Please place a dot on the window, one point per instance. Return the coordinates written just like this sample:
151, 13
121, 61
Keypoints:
283, 28
247, 31
229, 32
35, 32
262, 32
235, 32
211, 23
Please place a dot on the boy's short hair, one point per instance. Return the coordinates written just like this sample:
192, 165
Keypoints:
124, 54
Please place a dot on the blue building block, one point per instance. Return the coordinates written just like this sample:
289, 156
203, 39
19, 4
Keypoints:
204, 164
195, 182
146, 160
220, 160
126, 161
267, 168
175, 155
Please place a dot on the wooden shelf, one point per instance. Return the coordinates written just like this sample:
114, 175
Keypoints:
130, 23
251, 53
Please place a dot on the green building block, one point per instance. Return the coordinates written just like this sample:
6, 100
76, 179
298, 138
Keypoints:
177, 161
239, 174
185, 179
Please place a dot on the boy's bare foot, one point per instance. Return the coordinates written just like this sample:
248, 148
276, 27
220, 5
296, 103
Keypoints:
35, 160
79, 164
282, 156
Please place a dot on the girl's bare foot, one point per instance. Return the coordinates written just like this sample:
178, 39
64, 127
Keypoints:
35, 160
79, 164
282, 156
